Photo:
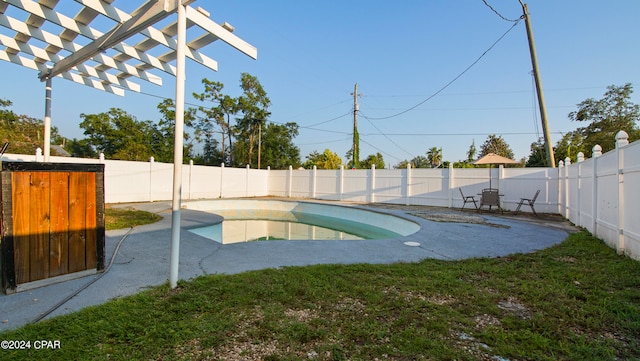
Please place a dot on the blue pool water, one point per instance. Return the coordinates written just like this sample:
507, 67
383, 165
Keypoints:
250, 220
290, 226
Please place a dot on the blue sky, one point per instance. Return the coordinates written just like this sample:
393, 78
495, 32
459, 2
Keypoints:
401, 53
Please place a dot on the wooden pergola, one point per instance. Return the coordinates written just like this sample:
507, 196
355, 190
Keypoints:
89, 46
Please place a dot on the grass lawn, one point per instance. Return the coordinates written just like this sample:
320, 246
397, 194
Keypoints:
575, 301
118, 218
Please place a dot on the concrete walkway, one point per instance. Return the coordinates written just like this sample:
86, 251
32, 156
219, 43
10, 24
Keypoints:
142, 260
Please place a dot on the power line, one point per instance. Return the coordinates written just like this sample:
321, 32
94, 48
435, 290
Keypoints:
327, 121
380, 150
454, 79
389, 139
500, 15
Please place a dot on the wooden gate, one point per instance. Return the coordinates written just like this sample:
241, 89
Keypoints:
52, 222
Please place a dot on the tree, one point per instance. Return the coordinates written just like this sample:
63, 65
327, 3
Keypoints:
569, 146
120, 135
418, 161
326, 160
434, 156
538, 156
373, 159
80, 148
211, 154
495, 144
253, 104
471, 153
217, 117
24, 134
164, 138
278, 149
607, 116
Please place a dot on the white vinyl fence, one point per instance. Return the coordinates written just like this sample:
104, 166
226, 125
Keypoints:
601, 194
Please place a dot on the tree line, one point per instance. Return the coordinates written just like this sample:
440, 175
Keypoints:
237, 131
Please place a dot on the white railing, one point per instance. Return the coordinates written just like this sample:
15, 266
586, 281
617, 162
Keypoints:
601, 194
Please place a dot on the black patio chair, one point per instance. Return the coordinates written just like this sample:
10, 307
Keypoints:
530, 202
490, 197
467, 199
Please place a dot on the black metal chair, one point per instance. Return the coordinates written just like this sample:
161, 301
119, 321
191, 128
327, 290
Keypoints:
530, 202
467, 199
490, 197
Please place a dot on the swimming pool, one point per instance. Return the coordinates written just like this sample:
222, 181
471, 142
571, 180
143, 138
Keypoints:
250, 219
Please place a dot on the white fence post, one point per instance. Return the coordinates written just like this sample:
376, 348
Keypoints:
372, 182
151, 163
190, 178
450, 184
595, 153
221, 179
314, 181
246, 184
567, 198
407, 190
622, 139
268, 179
341, 190
289, 181
560, 188
579, 189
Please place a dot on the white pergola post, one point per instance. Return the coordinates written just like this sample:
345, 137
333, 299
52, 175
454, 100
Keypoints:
178, 145
47, 120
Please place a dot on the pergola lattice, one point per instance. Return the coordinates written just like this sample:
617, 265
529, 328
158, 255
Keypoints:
65, 53
90, 48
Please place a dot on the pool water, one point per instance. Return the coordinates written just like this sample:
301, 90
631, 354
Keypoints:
290, 226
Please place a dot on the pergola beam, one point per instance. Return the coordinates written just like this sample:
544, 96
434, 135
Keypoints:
154, 36
223, 34
55, 41
145, 16
32, 64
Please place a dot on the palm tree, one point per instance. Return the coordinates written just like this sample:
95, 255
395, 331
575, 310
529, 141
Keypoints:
434, 155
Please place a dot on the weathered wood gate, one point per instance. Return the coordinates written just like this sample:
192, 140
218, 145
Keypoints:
52, 222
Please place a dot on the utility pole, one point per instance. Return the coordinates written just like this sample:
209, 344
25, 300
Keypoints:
551, 162
356, 137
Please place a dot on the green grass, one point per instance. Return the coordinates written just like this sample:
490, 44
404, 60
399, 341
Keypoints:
118, 218
575, 301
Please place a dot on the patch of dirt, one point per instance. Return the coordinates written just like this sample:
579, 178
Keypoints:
483, 321
301, 315
456, 218
567, 259
512, 306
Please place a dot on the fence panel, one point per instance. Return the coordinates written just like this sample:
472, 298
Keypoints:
355, 185
301, 182
278, 183
429, 187
390, 185
204, 182
607, 195
631, 174
328, 184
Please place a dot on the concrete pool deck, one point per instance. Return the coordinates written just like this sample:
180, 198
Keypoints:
142, 260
